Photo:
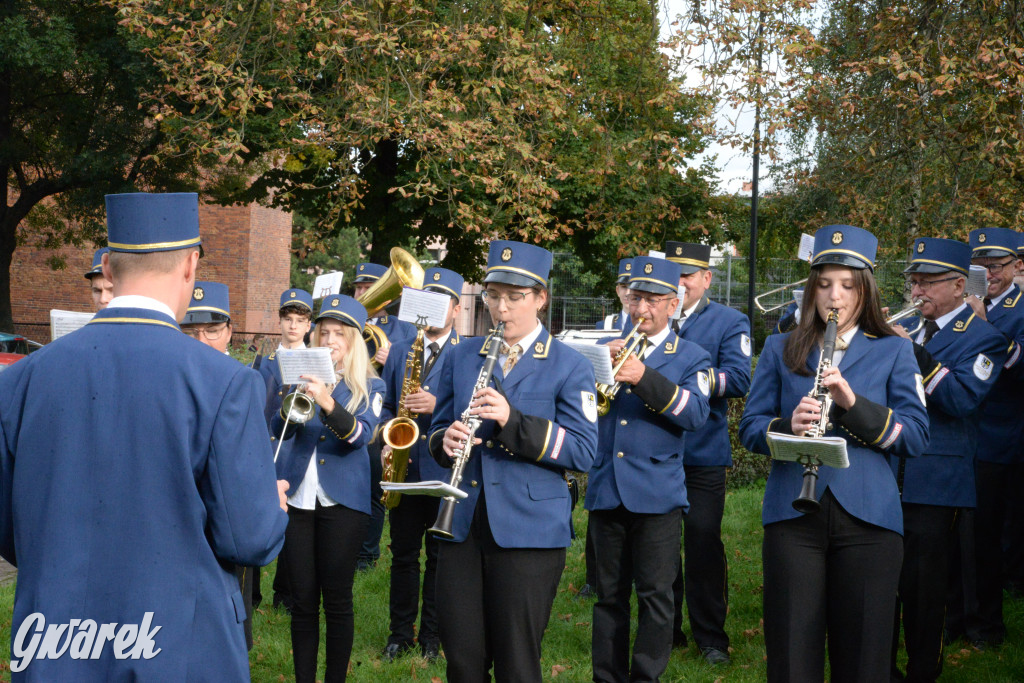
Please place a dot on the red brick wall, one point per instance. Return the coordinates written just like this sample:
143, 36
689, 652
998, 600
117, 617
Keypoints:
246, 248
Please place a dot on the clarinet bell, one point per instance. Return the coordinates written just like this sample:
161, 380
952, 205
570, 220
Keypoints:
807, 502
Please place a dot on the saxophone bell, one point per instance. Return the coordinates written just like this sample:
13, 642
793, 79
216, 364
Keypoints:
401, 432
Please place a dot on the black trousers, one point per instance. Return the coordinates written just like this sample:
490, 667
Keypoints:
370, 550
962, 595
641, 550
495, 605
994, 485
1013, 534
703, 574
828, 573
409, 524
321, 547
928, 533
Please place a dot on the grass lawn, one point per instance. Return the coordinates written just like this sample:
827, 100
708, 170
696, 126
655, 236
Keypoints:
567, 640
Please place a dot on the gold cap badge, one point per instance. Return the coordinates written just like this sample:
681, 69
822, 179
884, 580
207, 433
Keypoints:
981, 238
506, 254
649, 268
335, 302
291, 295
920, 247
198, 293
437, 276
837, 237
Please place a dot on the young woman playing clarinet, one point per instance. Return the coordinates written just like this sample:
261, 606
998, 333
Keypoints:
833, 571
328, 472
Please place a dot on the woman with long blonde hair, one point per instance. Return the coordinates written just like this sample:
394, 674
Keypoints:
328, 473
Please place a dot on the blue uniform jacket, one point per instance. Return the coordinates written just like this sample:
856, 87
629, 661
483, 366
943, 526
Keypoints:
966, 357
1000, 423
641, 440
270, 371
421, 466
893, 420
396, 330
343, 464
520, 469
615, 321
135, 468
725, 334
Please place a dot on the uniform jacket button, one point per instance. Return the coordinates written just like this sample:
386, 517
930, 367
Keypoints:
623, 423
473, 483
489, 444
620, 454
321, 461
423, 437
323, 437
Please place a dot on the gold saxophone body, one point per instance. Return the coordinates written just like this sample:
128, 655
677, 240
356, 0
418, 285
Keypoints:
401, 431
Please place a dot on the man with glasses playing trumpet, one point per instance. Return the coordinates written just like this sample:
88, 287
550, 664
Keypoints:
960, 357
1000, 460
636, 492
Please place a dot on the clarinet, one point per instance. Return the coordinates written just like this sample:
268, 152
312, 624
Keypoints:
443, 524
807, 501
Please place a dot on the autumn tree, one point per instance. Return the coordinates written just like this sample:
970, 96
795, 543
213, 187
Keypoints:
71, 128
452, 122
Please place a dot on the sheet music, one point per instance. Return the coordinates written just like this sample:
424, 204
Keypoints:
654, 253
66, 322
827, 450
315, 362
423, 307
806, 250
977, 282
328, 284
435, 488
599, 357
681, 294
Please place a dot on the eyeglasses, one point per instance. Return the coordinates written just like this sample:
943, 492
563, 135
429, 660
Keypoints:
512, 299
925, 285
651, 301
211, 333
996, 268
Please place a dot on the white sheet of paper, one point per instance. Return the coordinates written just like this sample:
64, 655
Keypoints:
653, 253
422, 307
328, 284
66, 322
424, 488
806, 249
977, 282
681, 293
315, 362
828, 450
599, 357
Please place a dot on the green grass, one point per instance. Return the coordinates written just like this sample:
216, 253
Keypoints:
567, 640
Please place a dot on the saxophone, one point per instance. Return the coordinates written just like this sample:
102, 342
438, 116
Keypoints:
807, 501
443, 524
401, 431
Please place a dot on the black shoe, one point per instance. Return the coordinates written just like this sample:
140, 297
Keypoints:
365, 565
395, 650
714, 656
679, 640
587, 592
431, 651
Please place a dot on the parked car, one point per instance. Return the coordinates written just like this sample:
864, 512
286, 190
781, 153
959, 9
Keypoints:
6, 359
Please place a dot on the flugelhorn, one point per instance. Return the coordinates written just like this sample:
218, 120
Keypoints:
405, 271
807, 501
446, 514
761, 307
297, 408
635, 343
401, 431
906, 313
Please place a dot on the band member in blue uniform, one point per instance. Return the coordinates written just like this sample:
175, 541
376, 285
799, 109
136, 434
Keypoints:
413, 515
497, 580
101, 288
959, 357
328, 474
132, 482
999, 459
636, 491
618, 321
367, 274
725, 334
790, 317
835, 571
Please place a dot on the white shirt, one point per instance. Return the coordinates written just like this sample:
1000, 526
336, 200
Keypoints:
139, 301
309, 490
991, 304
282, 347
525, 344
440, 341
657, 340
941, 322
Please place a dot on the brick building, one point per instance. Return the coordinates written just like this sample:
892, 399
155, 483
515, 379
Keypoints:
246, 247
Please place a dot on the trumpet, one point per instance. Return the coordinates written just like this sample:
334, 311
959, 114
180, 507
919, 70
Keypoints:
807, 501
761, 307
405, 271
446, 514
298, 408
401, 431
636, 341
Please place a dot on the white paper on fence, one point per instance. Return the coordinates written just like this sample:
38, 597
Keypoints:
66, 322
424, 488
653, 253
314, 362
681, 293
423, 307
806, 250
328, 284
585, 336
599, 357
827, 450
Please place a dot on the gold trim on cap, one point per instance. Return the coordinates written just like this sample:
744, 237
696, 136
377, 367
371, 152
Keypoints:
521, 271
449, 290
671, 285
938, 263
144, 321
848, 252
212, 309
1008, 250
690, 262
343, 316
154, 245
